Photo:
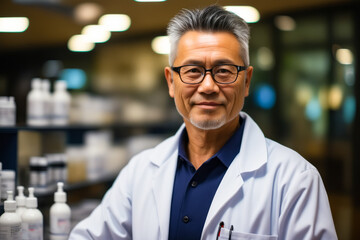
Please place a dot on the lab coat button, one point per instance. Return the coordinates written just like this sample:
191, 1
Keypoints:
194, 183
186, 219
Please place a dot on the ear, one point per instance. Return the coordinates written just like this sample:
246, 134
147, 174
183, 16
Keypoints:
249, 72
169, 80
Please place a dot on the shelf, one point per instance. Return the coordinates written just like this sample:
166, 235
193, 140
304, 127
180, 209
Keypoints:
12, 136
48, 128
166, 125
74, 186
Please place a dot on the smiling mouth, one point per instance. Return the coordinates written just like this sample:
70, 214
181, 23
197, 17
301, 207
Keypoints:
208, 105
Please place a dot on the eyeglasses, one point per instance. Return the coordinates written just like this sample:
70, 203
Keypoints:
195, 74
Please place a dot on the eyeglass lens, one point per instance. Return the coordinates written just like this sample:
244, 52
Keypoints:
221, 73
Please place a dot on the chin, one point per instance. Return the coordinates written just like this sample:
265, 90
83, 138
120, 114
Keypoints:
209, 124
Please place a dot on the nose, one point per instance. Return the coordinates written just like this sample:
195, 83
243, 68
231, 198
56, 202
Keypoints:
208, 85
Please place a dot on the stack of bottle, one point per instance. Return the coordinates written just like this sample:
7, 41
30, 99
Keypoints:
45, 108
23, 220
46, 171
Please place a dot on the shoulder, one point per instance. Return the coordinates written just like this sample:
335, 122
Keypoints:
292, 174
269, 153
280, 155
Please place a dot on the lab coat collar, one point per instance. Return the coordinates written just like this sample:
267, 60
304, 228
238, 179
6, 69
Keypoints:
253, 152
252, 156
167, 148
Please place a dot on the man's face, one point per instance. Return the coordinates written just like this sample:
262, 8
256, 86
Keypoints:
208, 105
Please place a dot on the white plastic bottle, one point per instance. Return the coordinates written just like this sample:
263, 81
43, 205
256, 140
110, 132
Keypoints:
61, 104
7, 111
0, 179
7, 182
60, 215
36, 115
10, 222
45, 88
20, 201
95, 155
3, 111
12, 112
32, 219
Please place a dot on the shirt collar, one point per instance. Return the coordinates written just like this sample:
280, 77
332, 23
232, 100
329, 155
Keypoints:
226, 154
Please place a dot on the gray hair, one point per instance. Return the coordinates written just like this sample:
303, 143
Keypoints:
211, 19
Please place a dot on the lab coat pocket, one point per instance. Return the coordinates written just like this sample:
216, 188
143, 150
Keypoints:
225, 234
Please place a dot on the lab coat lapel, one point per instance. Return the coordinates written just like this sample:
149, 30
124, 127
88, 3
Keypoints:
229, 186
163, 181
252, 156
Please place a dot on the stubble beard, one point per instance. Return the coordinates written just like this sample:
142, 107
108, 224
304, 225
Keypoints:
208, 124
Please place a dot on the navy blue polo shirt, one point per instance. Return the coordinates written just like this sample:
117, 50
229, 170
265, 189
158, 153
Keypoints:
194, 190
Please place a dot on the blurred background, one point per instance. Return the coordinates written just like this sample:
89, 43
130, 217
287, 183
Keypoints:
304, 92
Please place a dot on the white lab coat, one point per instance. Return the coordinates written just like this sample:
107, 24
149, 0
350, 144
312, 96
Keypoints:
268, 192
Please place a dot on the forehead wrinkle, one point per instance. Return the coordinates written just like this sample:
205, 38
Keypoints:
194, 48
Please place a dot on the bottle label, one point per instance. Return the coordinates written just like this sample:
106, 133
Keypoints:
61, 113
33, 178
36, 109
10, 232
60, 225
36, 113
47, 107
32, 231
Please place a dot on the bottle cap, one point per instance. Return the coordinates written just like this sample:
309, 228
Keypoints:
20, 198
42, 161
36, 83
31, 201
10, 203
60, 85
34, 161
12, 102
60, 195
45, 85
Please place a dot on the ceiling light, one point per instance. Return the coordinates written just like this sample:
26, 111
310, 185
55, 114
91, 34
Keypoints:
87, 12
161, 45
344, 56
80, 43
13, 24
335, 97
303, 94
248, 13
285, 23
265, 58
96, 33
115, 22
149, 0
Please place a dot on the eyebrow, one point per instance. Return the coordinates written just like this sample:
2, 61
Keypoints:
201, 63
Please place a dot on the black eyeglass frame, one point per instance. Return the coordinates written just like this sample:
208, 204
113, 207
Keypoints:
238, 68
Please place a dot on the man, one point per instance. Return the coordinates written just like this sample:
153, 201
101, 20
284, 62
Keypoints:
218, 177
